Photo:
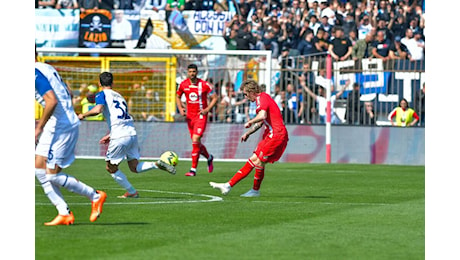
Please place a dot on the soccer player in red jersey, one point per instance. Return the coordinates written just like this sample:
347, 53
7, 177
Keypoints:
196, 92
270, 148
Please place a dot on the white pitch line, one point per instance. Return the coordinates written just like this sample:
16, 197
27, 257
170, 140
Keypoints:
133, 201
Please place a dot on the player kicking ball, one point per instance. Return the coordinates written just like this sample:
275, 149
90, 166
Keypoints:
270, 148
122, 138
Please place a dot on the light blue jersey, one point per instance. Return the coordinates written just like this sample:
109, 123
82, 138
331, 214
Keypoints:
120, 122
47, 79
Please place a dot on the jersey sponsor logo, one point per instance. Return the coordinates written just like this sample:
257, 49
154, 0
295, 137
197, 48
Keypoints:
193, 86
193, 96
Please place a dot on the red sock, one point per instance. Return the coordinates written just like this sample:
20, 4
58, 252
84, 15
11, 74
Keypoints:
195, 154
258, 177
242, 173
204, 151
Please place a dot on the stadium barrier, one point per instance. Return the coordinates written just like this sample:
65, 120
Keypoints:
139, 71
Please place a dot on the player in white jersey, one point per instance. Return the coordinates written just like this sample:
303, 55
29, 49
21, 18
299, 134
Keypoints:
56, 135
122, 138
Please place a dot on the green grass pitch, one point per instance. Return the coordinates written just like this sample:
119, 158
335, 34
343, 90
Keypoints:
305, 211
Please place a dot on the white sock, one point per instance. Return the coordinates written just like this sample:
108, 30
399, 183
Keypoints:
145, 166
121, 179
72, 184
52, 192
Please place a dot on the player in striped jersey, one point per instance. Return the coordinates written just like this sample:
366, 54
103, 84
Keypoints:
56, 135
270, 148
196, 92
122, 138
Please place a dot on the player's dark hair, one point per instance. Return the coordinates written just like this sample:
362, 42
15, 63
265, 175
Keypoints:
106, 79
192, 66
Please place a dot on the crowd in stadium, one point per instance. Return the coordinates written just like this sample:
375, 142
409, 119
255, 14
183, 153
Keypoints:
348, 29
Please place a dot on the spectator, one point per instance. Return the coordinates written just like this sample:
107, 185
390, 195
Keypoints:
294, 102
364, 27
322, 102
289, 37
381, 46
147, 107
88, 4
67, 4
254, 6
154, 5
88, 102
398, 50
383, 12
354, 108
340, 47
173, 8
244, 37
50, 4
326, 11
287, 64
368, 115
408, 37
419, 104
349, 24
239, 103
321, 41
230, 37
416, 46
314, 24
382, 25
353, 37
307, 45
125, 4
325, 25
363, 48
121, 28
106, 4
399, 26
403, 115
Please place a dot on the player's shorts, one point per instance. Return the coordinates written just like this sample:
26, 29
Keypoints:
122, 148
271, 149
58, 147
197, 125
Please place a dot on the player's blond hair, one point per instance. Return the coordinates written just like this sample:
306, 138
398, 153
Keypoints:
251, 86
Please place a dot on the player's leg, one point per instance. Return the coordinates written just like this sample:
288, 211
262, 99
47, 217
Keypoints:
137, 166
51, 191
271, 151
116, 153
62, 156
239, 175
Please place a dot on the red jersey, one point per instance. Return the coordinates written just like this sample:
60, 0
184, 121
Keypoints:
196, 95
274, 125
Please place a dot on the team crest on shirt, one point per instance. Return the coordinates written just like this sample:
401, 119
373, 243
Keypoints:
193, 96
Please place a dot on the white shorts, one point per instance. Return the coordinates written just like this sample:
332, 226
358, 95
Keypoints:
58, 147
121, 148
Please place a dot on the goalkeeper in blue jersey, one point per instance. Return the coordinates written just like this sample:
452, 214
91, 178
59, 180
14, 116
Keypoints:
122, 138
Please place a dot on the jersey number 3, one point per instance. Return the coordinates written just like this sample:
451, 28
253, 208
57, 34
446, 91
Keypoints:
124, 109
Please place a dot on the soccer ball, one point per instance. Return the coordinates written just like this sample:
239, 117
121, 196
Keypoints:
170, 158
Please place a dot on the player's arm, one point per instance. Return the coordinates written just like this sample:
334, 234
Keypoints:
262, 115
180, 107
51, 103
97, 109
212, 103
253, 129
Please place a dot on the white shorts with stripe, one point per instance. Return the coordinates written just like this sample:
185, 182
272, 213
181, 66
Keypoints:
58, 147
123, 148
